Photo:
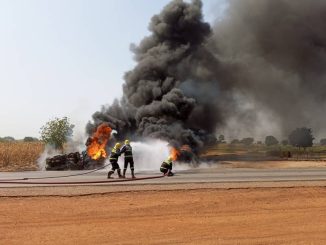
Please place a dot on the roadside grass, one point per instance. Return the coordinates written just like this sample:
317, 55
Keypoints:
19, 155
283, 151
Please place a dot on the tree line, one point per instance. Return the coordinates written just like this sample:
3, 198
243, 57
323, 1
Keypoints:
300, 137
57, 131
12, 139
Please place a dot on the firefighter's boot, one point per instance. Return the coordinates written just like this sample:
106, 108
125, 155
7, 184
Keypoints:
124, 173
133, 174
170, 174
110, 173
119, 174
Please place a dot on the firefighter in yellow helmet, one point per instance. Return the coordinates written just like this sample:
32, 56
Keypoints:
115, 153
166, 167
127, 150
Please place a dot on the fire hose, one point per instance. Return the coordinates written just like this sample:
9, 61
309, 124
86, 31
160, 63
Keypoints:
23, 180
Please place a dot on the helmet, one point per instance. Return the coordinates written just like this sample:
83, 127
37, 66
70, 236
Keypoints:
169, 159
127, 142
117, 145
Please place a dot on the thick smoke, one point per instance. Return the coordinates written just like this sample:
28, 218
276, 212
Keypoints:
162, 98
273, 57
259, 70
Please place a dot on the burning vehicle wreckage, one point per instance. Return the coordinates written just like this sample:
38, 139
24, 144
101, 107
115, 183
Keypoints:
97, 151
93, 157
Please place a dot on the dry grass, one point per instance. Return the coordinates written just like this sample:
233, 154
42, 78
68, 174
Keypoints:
19, 156
311, 153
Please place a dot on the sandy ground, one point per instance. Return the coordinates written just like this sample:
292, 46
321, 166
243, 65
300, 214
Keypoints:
203, 216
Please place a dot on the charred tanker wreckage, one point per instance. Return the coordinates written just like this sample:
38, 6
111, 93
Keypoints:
93, 157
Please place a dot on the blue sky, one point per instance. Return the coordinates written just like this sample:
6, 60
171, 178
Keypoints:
67, 57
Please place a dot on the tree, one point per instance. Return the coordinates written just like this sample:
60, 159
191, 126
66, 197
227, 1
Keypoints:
30, 139
323, 141
301, 137
247, 141
8, 139
56, 132
270, 140
235, 141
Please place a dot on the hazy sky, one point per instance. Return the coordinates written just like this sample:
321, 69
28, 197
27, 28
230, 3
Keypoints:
67, 57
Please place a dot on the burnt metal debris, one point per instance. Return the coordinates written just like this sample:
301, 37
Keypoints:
73, 161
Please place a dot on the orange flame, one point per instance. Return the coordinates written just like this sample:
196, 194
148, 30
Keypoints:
174, 154
186, 148
98, 141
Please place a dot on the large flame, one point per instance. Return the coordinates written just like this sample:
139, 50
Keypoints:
174, 153
98, 141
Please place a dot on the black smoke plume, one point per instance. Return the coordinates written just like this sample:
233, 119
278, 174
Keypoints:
273, 54
162, 97
259, 70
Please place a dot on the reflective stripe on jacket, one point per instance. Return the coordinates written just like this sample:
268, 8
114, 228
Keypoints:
115, 153
167, 165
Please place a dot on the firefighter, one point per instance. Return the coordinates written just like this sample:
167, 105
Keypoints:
115, 153
166, 167
127, 150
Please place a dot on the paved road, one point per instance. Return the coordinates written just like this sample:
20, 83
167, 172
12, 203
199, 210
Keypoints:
207, 175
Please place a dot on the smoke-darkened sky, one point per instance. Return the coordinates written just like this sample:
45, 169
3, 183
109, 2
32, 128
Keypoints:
273, 58
156, 102
257, 71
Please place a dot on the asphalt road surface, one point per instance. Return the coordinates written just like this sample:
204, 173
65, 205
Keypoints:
198, 175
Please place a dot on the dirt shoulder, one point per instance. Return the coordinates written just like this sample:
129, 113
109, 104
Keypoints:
284, 164
90, 190
200, 216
